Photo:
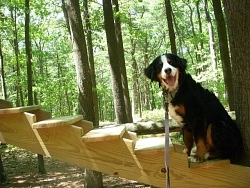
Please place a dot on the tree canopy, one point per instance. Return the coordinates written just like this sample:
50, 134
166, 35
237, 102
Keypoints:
145, 35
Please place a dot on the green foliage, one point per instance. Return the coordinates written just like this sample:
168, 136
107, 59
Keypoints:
145, 36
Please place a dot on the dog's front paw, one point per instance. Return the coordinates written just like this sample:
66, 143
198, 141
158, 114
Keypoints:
196, 159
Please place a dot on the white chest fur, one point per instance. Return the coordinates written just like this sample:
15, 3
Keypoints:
172, 112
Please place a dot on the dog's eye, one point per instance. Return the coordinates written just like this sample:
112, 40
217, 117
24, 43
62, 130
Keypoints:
170, 62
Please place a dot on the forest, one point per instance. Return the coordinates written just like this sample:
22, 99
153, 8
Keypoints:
88, 57
145, 36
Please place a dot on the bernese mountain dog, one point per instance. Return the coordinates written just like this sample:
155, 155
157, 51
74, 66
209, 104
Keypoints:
203, 119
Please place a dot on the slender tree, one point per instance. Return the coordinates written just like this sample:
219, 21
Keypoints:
28, 52
211, 38
19, 91
224, 52
84, 82
120, 110
91, 60
238, 22
170, 26
3, 83
120, 51
41, 168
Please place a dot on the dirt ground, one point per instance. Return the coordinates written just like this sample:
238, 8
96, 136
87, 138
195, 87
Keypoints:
21, 170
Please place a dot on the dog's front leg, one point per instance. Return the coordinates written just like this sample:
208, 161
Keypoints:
188, 140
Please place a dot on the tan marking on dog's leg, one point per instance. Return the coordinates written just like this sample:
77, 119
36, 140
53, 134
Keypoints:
188, 141
209, 137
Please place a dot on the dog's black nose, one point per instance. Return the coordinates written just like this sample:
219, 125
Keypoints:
168, 70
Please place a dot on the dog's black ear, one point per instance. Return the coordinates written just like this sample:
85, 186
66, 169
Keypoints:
184, 63
150, 72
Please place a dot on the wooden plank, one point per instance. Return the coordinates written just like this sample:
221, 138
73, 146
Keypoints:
19, 109
57, 121
154, 144
97, 135
209, 163
215, 176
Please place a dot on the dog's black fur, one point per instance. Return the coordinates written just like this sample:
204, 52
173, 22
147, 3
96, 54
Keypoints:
202, 117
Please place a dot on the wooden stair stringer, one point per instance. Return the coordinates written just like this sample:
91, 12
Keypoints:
16, 129
119, 154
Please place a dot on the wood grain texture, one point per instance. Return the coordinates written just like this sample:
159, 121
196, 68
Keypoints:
20, 109
116, 151
104, 134
57, 121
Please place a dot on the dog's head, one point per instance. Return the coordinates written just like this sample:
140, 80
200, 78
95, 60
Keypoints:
167, 69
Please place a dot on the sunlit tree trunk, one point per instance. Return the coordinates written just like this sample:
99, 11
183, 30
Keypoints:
91, 60
224, 53
120, 51
84, 82
238, 21
120, 110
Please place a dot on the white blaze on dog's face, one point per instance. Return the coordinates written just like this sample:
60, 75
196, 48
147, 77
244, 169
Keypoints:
169, 74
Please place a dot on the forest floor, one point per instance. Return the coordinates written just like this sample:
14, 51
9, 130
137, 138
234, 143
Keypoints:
21, 169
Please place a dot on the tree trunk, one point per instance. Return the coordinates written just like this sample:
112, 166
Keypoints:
4, 90
170, 26
120, 51
120, 110
211, 39
145, 95
28, 53
224, 53
91, 61
84, 82
41, 168
136, 85
238, 21
200, 22
197, 55
19, 92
